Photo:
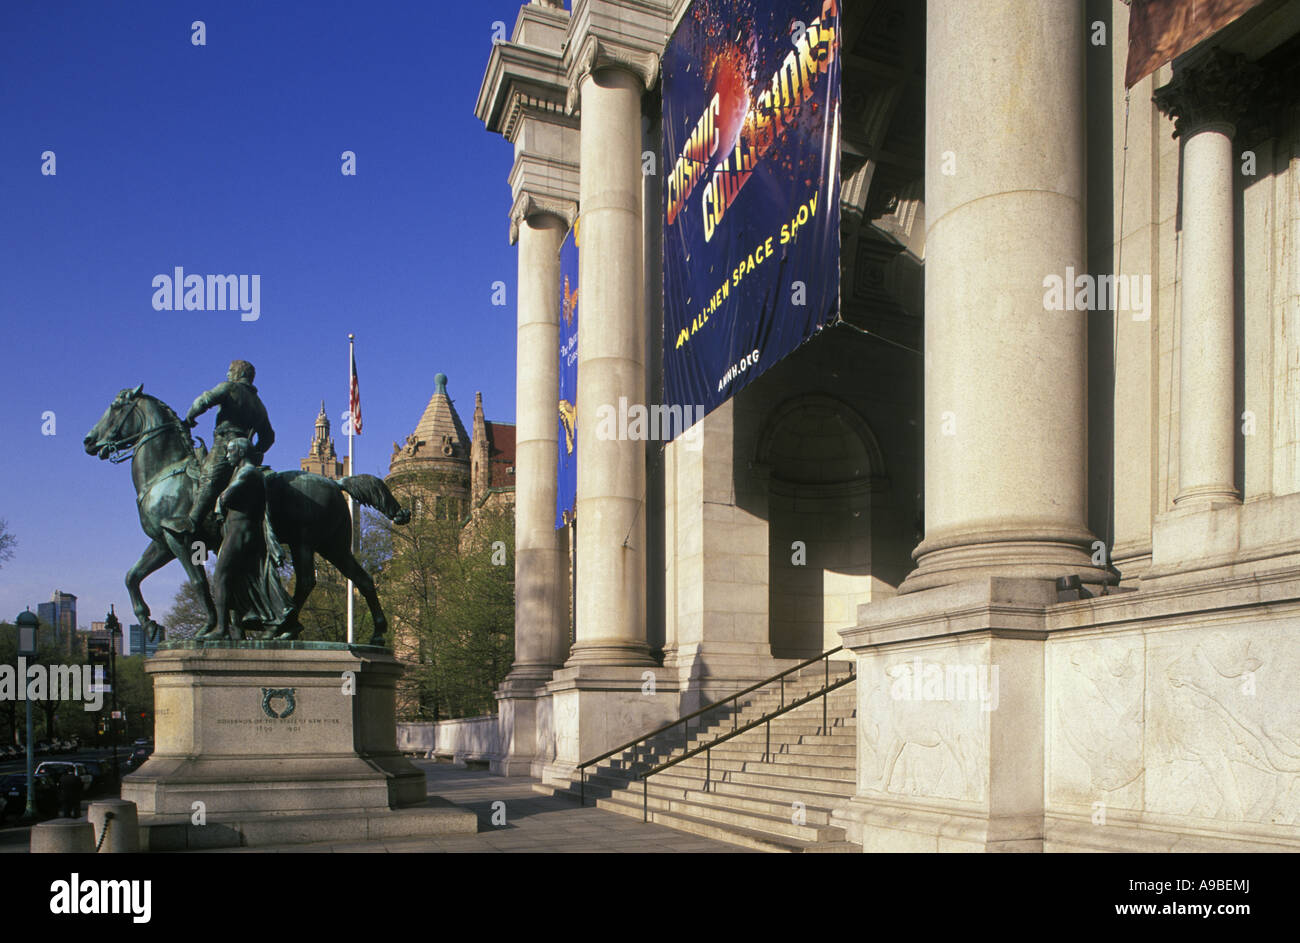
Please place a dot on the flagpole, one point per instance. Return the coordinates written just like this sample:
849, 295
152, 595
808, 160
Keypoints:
352, 521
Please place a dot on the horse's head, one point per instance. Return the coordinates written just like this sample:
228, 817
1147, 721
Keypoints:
120, 425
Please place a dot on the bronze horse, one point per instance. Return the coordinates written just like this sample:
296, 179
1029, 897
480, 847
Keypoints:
308, 512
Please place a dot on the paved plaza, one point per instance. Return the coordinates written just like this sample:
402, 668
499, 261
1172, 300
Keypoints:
533, 823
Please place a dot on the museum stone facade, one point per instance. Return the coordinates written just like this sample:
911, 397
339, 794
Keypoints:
999, 464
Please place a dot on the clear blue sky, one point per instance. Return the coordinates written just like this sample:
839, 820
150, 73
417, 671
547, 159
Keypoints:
225, 158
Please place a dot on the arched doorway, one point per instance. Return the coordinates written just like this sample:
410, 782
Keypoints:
822, 465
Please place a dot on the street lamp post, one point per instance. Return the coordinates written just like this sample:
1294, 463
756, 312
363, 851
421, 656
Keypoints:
114, 633
27, 625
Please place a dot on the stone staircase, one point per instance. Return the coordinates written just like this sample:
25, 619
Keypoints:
751, 800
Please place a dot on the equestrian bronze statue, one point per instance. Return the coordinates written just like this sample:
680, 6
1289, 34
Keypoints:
307, 512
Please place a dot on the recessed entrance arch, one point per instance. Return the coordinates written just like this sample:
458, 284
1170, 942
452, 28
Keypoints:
822, 465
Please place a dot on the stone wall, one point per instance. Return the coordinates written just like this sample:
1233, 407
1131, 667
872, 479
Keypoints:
467, 738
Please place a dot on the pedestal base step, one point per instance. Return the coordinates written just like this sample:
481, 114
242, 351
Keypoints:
258, 829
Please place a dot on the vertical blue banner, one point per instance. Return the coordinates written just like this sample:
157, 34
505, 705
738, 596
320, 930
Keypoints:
751, 225
566, 497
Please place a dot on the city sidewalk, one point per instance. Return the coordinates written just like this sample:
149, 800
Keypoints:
533, 823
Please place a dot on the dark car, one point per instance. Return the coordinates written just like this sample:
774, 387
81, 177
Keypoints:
13, 789
98, 771
13, 793
138, 757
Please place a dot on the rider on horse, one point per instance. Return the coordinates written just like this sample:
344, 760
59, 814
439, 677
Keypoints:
240, 415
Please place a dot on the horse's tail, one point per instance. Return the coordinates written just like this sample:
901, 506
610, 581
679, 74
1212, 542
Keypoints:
372, 492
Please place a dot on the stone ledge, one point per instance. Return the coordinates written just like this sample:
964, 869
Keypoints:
1133, 832
883, 824
1183, 597
1007, 607
178, 833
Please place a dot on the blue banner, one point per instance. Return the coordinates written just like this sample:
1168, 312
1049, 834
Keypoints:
751, 119
566, 497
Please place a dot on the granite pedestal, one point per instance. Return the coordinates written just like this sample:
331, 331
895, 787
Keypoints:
274, 742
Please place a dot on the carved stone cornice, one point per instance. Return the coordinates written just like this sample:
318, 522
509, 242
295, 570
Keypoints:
527, 72
533, 103
1221, 88
597, 52
529, 204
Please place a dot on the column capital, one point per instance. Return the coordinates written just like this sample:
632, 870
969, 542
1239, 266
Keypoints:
616, 34
1219, 89
529, 203
597, 53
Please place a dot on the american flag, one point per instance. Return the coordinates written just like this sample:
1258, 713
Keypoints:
354, 399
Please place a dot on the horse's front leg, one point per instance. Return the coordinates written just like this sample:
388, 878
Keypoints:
155, 557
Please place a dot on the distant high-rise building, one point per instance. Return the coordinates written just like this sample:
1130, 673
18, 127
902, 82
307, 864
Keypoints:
139, 642
60, 615
98, 630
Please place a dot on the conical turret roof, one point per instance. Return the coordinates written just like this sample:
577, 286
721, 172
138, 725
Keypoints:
440, 435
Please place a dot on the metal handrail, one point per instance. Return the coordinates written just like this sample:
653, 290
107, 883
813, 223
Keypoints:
779, 676
735, 732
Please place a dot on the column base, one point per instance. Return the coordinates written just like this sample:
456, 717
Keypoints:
1207, 496
710, 671
888, 824
611, 654
953, 683
1025, 553
522, 677
523, 714
599, 707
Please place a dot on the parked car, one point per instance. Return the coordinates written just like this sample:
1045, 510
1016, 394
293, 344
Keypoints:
139, 755
55, 769
13, 792
98, 771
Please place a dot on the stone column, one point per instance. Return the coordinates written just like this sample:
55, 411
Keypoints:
611, 628
1005, 369
1206, 102
523, 98
541, 636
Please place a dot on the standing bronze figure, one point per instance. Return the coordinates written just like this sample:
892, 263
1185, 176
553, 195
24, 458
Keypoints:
245, 579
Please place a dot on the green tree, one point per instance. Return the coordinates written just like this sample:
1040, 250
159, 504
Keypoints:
134, 689
449, 592
187, 616
7, 542
324, 616
9, 709
55, 718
